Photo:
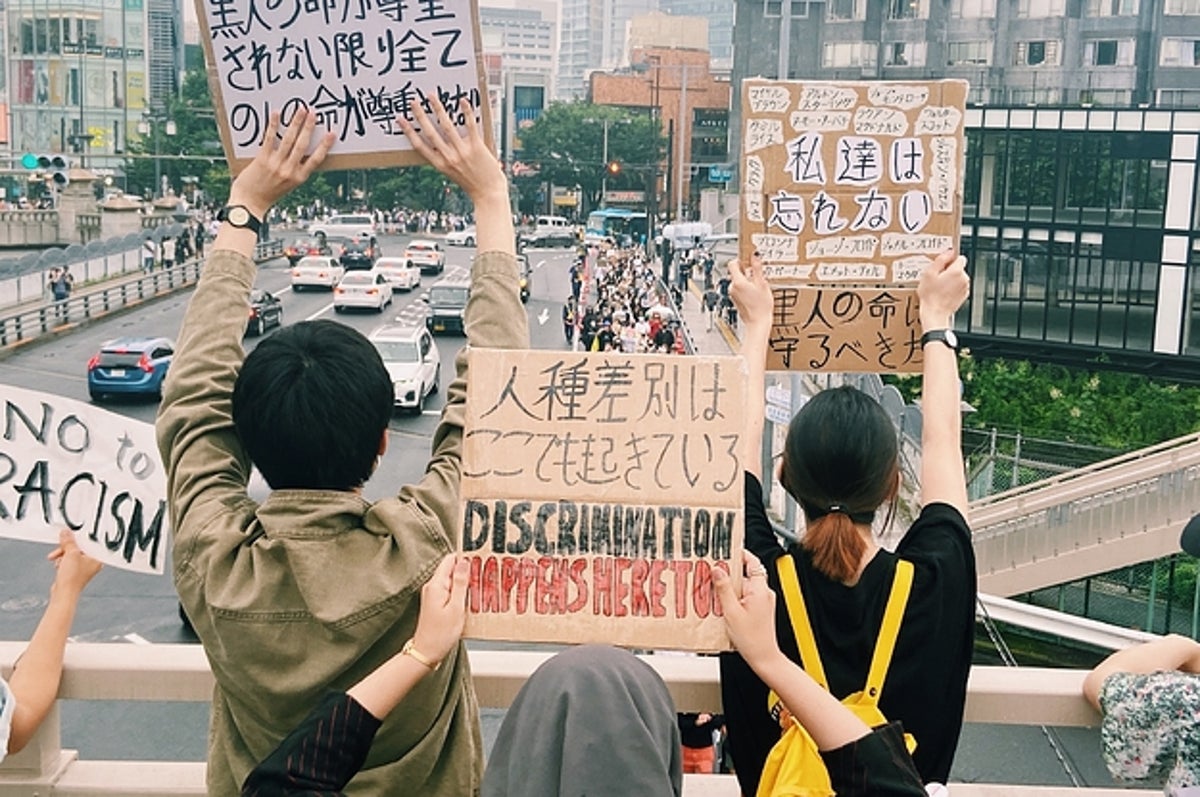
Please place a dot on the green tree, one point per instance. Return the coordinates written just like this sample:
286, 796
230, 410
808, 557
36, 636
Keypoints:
567, 143
196, 139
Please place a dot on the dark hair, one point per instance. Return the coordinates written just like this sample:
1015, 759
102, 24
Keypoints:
840, 463
310, 405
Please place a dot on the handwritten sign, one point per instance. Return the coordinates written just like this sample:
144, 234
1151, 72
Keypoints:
600, 492
358, 65
64, 463
864, 190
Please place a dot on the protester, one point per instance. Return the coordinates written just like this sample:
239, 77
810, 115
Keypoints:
315, 587
840, 463
696, 734
1150, 698
199, 236
32, 689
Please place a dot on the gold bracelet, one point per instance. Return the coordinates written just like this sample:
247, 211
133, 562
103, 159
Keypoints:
410, 649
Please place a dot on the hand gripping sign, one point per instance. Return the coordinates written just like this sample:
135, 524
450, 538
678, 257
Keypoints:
64, 463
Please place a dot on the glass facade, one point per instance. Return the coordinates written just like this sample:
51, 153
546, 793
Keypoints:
1065, 233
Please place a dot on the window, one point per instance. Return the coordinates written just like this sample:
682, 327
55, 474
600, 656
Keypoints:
1180, 52
973, 9
848, 54
908, 9
1040, 8
905, 53
773, 9
1037, 53
977, 52
1109, 53
845, 9
1114, 8
1180, 7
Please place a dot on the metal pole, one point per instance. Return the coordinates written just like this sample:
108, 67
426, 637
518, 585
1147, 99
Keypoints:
157, 159
680, 127
604, 179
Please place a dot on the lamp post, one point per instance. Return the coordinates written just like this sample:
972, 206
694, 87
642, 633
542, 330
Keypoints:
154, 123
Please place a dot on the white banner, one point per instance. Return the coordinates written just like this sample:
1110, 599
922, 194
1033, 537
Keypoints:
65, 463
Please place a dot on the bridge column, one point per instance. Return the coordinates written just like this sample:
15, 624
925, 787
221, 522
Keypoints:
1171, 314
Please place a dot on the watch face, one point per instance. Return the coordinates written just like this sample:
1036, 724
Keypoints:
238, 216
951, 338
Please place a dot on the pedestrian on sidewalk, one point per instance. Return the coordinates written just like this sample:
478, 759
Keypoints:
696, 732
709, 302
61, 288
168, 252
149, 255
199, 236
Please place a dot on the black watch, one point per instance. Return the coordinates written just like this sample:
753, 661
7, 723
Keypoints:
240, 216
945, 336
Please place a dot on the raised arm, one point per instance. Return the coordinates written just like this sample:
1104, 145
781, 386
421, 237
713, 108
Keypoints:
941, 291
752, 295
36, 677
495, 317
196, 437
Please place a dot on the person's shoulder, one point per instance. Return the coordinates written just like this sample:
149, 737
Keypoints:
940, 529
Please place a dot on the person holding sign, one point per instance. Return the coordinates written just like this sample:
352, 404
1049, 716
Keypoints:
841, 464
33, 687
316, 587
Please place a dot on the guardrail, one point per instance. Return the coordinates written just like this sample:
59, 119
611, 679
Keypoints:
21, 326
179, 673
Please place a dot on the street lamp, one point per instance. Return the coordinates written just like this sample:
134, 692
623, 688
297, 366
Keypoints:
156, 121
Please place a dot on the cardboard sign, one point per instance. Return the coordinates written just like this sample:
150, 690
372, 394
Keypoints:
600, 492
846, 184
64, 463
358, 65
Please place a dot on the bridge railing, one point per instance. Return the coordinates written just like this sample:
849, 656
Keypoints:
1128, 505
179, 673
27, 323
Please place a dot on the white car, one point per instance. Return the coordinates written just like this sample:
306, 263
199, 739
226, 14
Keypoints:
368, 289
316, 271
359, 225
412, 361
465, 237
428, 255
399, 272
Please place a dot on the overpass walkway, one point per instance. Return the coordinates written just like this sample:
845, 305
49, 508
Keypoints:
1102, 517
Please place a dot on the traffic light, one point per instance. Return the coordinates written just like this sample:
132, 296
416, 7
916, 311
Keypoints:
53, 165
614, 168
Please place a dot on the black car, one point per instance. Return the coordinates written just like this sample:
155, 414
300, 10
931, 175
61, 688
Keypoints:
359, 255
265, 311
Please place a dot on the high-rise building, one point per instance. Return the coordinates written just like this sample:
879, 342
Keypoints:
164, 20
593, 37
720, 16
76, 77
520, 44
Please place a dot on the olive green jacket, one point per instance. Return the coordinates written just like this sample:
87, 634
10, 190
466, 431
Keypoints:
313, 589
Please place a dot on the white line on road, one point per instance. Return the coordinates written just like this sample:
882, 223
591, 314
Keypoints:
320, 312
137, 639
540, 263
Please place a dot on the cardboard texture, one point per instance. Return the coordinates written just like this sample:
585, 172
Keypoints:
846, 185
359, 65
600, 490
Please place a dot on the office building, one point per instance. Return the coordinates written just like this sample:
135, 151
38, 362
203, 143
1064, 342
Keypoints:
593, 37
720, 16
164, 21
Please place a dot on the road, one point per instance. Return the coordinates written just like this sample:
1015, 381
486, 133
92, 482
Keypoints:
136, 609
139, 609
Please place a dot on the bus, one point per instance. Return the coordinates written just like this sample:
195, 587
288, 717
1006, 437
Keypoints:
624, 226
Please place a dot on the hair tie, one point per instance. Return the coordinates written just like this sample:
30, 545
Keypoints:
836, 508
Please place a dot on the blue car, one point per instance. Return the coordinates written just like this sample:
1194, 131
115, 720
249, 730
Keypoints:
129, 366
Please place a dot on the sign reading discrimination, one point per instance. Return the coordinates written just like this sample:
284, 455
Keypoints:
846, 185
358, 65
64, 463
600, 492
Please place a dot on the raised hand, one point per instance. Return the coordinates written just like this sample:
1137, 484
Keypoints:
281, 163
467, 160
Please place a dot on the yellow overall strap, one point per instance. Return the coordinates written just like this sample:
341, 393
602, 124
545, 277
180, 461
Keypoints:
889, 630
810, 659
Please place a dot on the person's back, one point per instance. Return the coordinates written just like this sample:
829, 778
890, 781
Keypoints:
315, 587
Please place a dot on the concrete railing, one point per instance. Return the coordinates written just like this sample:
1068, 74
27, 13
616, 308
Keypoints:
1092, 520
179, 673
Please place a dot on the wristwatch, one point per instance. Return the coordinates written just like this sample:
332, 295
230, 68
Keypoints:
240, 216
945, 336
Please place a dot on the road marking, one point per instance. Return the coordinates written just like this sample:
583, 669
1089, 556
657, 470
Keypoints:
544, 316
540, 264
282, 291
137, 639
41, 372
320, 312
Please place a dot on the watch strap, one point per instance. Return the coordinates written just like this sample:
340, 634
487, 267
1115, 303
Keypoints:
253, 223
944, 336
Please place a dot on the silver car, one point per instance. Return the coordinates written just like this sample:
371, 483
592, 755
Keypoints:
399, 272
316, 271
412, 361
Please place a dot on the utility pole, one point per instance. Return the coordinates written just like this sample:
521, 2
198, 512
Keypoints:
604, 160
682, 127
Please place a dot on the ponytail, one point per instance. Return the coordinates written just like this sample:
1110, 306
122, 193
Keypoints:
836, 546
